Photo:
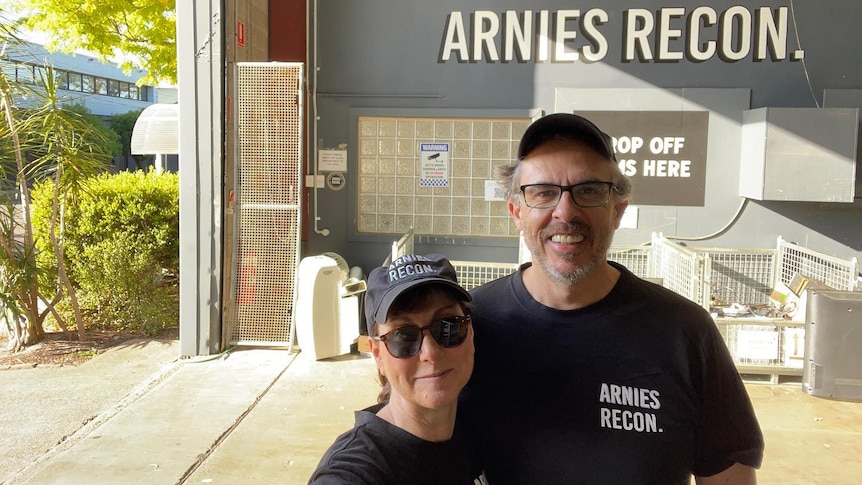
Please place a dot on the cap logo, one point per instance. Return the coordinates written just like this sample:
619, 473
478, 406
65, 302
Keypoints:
409, 265
387, 283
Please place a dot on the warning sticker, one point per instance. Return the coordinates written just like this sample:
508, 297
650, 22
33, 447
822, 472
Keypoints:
434, 164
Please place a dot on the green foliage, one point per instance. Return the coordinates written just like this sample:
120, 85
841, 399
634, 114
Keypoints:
8, 172
8, 26
142, 29
124, 288
18, 268
123, 125
44, 142
122, 247
86, 354
111, 143
61, 141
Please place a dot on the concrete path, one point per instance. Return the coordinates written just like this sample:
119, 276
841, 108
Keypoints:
47, 408
266, 416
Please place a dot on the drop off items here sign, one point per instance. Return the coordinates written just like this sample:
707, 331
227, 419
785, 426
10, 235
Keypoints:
663, 152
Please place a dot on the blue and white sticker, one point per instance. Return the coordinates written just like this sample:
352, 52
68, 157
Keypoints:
434, 164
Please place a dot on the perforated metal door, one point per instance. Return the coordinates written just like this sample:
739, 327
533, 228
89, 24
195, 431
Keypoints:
267, 198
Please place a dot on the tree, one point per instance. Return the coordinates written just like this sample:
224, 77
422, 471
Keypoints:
111, 143
140, 32
45, 142
123, 124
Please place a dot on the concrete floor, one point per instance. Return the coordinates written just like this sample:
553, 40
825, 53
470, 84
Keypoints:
809, 440
266, 416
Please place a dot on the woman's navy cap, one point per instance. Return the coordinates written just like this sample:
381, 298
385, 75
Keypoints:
387, 283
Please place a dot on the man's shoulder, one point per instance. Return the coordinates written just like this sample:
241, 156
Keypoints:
630, 282
493, 288
654, 294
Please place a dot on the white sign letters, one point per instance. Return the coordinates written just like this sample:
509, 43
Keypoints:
697, 34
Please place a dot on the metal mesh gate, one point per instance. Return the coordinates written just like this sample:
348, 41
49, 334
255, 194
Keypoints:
635, 258
835, 272
267, 199
681, 270
740, 275
472, 274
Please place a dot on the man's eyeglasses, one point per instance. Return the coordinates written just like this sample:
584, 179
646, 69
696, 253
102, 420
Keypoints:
404, 342
547, 196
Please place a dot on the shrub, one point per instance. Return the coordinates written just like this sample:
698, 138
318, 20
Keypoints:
121, 244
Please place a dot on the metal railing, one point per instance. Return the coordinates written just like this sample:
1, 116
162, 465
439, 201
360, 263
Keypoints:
404, 245
472, 274
714, 277
635, 258
681, 269
838, 273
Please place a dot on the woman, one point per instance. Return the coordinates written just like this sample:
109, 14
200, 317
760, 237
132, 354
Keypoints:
410, 435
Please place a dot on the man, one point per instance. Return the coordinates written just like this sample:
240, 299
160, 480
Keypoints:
585, 373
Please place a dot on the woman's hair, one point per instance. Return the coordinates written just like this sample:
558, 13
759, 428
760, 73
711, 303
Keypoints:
411, 301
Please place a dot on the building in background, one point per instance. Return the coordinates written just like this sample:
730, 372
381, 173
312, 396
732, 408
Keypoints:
103, 88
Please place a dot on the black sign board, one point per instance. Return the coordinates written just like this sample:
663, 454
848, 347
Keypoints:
662, 152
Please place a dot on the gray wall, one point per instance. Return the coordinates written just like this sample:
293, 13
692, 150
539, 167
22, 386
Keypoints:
384, 58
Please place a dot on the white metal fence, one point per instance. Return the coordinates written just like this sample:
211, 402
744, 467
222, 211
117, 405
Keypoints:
711, 276
472, 273
838, 273
715, 277
404, 245
681, 269
739, 276
635, 258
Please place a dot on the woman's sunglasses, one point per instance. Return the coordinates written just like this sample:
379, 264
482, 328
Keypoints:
404, 342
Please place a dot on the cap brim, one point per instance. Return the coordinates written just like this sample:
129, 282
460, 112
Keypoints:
393, 294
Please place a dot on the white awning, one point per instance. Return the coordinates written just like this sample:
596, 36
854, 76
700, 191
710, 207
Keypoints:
157, 130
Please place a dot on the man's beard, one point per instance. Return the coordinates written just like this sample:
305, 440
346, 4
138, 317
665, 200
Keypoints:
599, 255
576, 274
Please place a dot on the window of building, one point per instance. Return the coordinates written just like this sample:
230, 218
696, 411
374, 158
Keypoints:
62, 79
40, 75
9, 69
395, 192
101, 86
75, 82
25, 73
89, 84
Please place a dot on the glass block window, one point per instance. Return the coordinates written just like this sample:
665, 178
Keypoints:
430, 174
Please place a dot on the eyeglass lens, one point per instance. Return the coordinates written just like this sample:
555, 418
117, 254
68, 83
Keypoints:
547, 196
406, 341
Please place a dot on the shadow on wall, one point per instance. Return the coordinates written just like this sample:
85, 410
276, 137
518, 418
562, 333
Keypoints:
830, 220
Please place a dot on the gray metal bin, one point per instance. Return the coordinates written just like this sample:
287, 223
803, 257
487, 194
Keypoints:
833, 345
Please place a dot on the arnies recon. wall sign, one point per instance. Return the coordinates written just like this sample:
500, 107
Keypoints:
670, 34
